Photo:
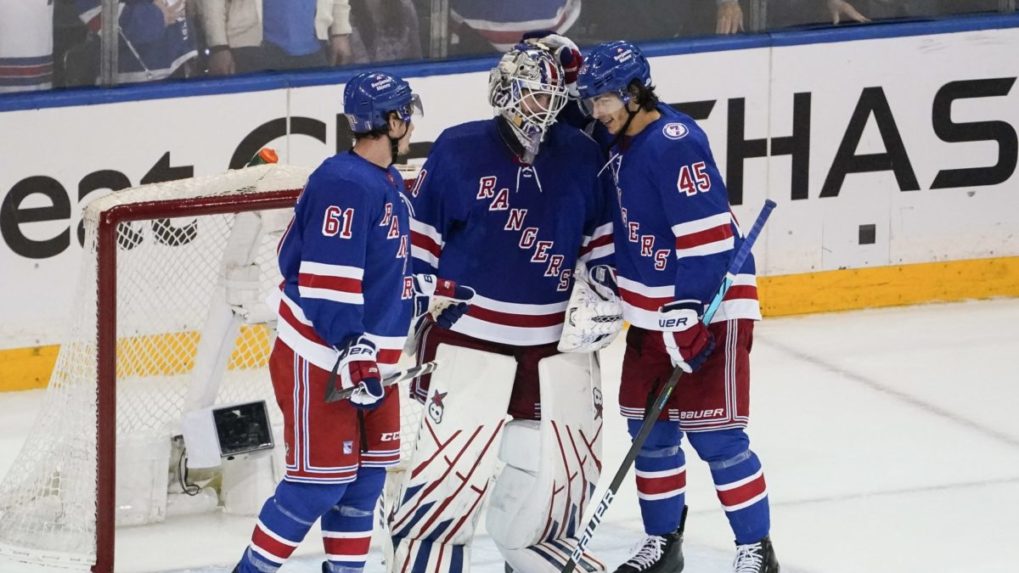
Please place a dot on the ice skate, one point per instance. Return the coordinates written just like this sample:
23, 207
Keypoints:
756, 558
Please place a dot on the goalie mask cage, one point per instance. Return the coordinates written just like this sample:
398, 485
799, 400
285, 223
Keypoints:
169, 316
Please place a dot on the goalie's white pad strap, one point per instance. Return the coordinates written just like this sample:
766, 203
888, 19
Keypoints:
594, 316
552, 467
444, 488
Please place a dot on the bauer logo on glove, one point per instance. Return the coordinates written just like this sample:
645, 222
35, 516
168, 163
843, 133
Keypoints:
687, 340
356, 370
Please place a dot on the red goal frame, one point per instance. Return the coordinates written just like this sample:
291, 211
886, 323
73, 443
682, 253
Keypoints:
106, 328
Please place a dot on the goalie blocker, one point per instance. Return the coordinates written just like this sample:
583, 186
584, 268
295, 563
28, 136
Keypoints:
537, 500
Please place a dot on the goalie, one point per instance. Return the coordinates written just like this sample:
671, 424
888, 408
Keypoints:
510, 206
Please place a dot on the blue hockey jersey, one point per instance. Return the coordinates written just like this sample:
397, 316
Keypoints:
149, 49
674, 232
345, 264
511, 231
504, 23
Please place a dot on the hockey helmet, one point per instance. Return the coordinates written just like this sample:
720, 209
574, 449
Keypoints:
611, 68
369, 97
528, 88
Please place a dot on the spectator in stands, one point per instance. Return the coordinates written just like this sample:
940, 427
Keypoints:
964, 6
729, 18
26, 45
70, 35
155, 39
384, 31
253, 35
502, 24
797, 12
801, 12
879, 9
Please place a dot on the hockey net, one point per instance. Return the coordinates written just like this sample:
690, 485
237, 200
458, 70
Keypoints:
172, 312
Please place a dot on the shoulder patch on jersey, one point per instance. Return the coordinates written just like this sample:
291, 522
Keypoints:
675, 130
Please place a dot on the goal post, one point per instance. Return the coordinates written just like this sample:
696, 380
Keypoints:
154, 262
173, 313
109, 222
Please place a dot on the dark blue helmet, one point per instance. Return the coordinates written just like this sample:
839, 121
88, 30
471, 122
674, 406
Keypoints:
370, 96
611, 67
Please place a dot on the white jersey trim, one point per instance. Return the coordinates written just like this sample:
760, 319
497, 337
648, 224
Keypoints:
515, 335
327, 270
518, 308
332, 295
666, 291
318, 354
699, 225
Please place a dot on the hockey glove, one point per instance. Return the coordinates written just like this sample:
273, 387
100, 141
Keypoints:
594, 315
565, 50
356, 368
442, 299
602, 279
687, 339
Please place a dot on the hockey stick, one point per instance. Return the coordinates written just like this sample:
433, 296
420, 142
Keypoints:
652, 413
334, 394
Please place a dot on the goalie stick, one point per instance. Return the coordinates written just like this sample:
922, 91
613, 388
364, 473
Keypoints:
651, 415
333, 393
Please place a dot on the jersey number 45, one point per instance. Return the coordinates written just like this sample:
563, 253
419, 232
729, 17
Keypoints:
693, 179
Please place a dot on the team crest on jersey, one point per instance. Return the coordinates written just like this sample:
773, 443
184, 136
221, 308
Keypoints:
436, 407
675, 130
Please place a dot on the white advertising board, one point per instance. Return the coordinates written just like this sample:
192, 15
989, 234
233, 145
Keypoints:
879, 151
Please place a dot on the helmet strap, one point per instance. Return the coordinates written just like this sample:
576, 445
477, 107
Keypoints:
630, 114
394, 142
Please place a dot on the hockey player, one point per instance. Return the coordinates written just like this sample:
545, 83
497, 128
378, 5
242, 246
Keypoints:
674, 237
346, 306
508, 205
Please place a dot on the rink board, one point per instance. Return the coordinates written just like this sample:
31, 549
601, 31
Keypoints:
894, 187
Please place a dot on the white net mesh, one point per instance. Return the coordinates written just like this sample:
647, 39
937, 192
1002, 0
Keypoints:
176, 279
168, 272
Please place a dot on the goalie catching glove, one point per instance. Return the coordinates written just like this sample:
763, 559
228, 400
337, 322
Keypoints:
594, 315
565, 50
356, 368
687, 339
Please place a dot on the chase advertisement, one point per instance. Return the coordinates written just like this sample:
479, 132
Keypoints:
872, 163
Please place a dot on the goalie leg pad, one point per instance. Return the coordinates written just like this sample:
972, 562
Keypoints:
442, 493
539, 500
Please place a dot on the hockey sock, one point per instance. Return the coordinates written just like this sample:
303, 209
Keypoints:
347, 526
739, 481
661, 477
283, 522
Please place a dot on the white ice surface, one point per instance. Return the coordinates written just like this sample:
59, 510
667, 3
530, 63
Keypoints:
890, 443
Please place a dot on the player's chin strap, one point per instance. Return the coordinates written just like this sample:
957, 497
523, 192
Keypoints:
631, 113
394, 142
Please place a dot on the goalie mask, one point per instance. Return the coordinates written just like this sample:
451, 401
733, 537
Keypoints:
528, 89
